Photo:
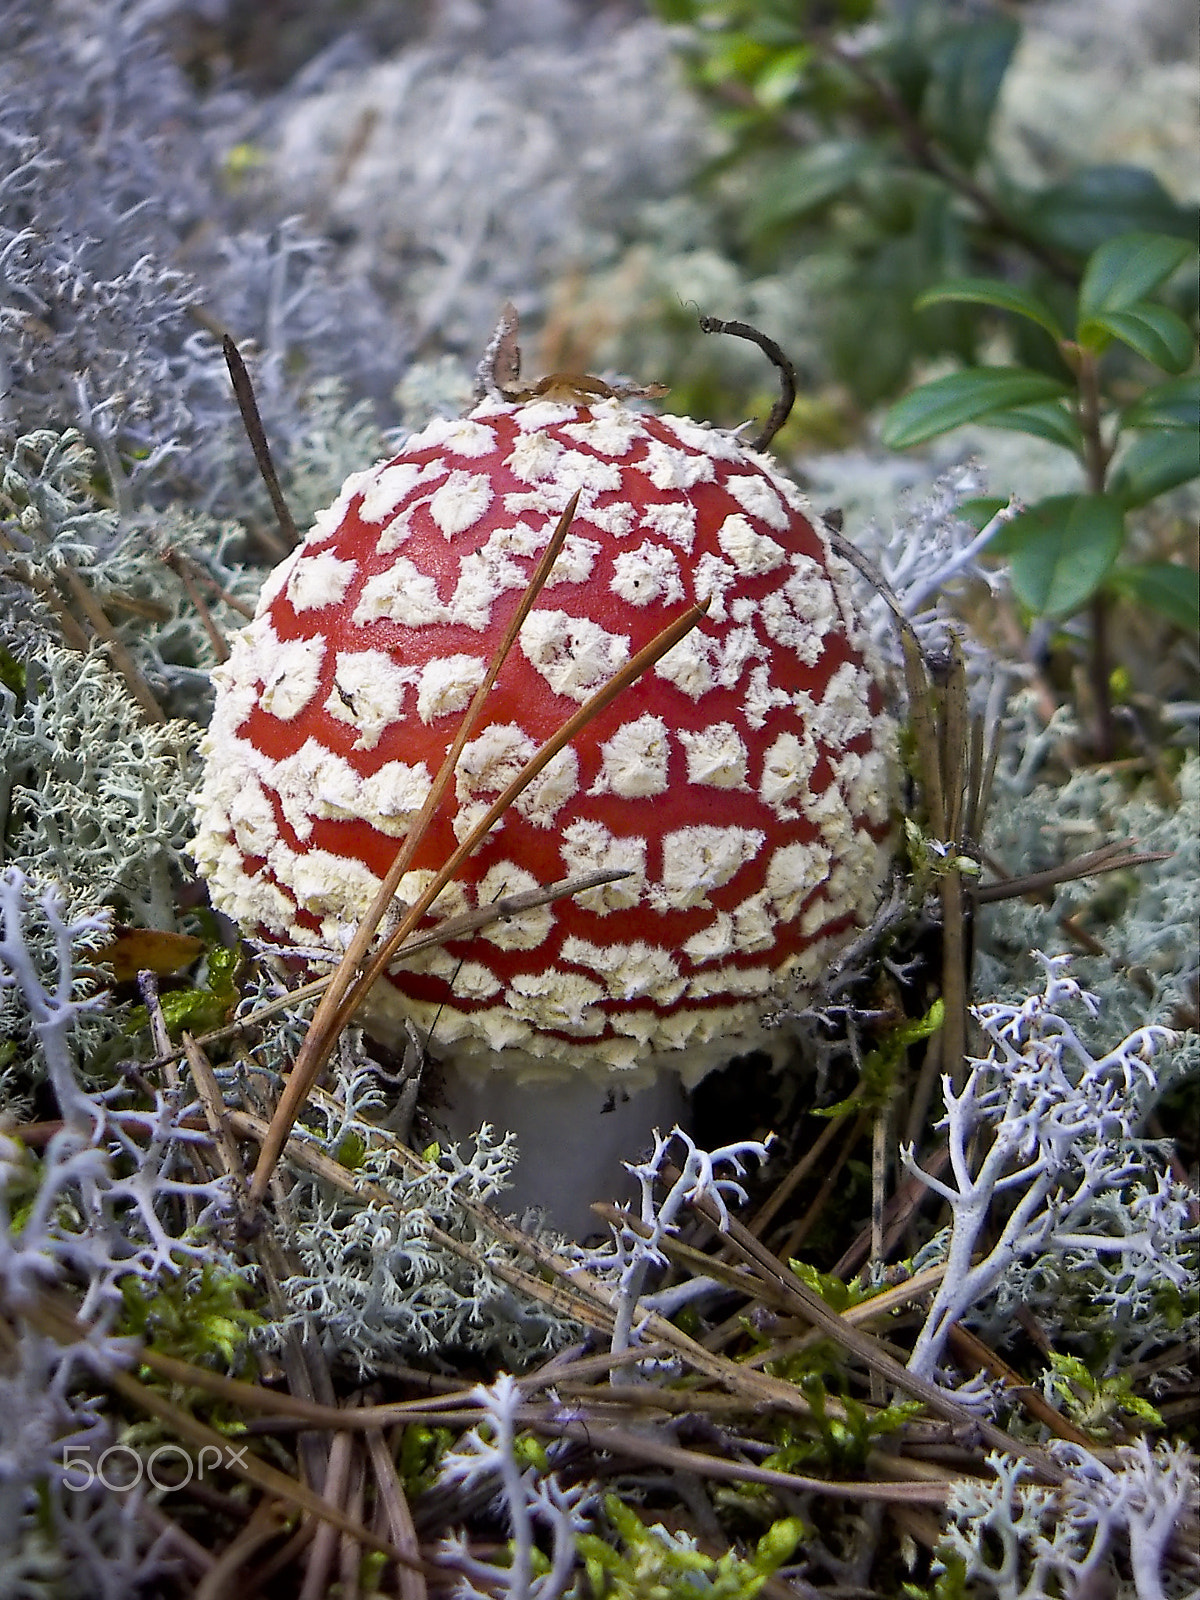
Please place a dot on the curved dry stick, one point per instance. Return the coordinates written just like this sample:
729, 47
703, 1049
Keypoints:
782, 409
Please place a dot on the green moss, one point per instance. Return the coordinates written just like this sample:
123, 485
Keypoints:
649, 1563
198, 1318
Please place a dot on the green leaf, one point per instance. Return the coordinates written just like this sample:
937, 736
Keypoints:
871, 331
778, 1543
1168, 405
350, 1151
222, 965
198, 1010
1172, 591
1127, 269
963, 397
1051, 420
808, 179
980, 511
969, 63
778, 80
1155, 332
1098, 203
1061, 550
1154, 463
991, 292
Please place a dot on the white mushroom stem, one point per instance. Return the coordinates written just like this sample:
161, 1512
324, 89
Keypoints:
573, 1135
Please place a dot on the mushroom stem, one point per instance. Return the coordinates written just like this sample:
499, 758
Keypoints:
574, 1135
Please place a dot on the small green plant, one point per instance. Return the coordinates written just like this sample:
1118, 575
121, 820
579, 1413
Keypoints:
420, 1457
860, 140
1096, 1403
838, 1295
876, 1088
840, 1445
652, 1564
1064, 550
949, 1584
202, 1319
200, 1008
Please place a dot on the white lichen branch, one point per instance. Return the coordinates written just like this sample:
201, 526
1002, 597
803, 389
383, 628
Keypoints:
104, 1186
1023, 1541
55, 1010
487, 1454
1147, 1495
914, 588
1040, 1132
632, 1252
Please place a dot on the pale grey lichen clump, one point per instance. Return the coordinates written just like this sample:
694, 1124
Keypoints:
121, 243
97, 798
1018, 1541
1047, 1151
143, 565
377, 1286
545, 147
96, 801
1114, 81
370, 1279
1144, 918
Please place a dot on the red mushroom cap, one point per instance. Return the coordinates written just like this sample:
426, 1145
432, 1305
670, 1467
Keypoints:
745, 781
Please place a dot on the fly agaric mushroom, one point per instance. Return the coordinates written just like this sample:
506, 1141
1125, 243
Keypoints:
743, 784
